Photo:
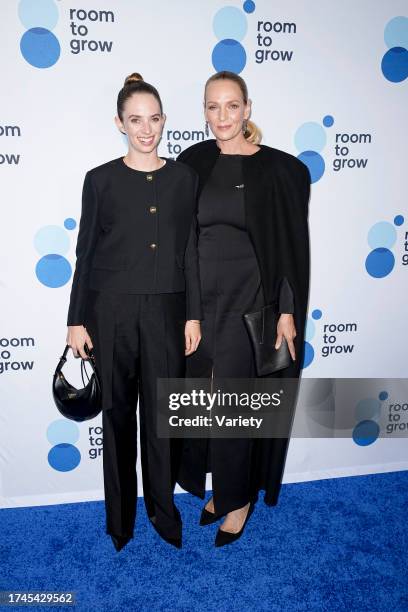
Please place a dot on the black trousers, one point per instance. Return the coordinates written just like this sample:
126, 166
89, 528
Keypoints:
137, 339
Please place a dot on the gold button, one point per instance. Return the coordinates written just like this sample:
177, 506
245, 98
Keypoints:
149, 177
153, 209
153, 246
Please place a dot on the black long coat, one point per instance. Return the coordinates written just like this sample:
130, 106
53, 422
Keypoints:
277, 190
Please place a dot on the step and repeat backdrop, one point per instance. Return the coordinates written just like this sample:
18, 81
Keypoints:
329, 84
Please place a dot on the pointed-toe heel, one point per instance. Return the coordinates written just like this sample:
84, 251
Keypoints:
119, 542
208, 518
226, 537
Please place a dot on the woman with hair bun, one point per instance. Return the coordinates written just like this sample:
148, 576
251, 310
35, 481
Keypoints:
135, 300
253, 251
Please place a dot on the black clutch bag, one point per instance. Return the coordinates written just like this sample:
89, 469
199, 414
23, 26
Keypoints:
77, 404
261, 327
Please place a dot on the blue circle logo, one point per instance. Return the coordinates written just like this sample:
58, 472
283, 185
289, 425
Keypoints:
308, 350
230, 27
368, 413
381, 238
52, 242
64, 455
394, 64
39, 46
310, 140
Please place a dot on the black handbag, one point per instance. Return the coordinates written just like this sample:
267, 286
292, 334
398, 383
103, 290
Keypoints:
261, 327
77, 404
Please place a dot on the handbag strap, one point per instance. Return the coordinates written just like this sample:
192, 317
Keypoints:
83, 369
90, 360
63, 359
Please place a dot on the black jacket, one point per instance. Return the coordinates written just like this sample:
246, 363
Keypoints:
277, 188
137, 235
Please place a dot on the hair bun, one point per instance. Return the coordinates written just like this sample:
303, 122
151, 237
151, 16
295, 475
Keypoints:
133, 78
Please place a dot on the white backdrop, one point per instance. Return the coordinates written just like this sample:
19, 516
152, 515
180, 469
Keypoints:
338, 75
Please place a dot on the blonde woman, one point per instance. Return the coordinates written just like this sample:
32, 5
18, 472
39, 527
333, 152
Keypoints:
253, 250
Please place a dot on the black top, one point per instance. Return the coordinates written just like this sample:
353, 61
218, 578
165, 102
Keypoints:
223, 233
230, 276
137, 234
222, 200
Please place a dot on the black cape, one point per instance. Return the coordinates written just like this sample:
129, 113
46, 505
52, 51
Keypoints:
277, 190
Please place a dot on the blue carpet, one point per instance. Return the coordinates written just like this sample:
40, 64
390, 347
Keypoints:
329, 545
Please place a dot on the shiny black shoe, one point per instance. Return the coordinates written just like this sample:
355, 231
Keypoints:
119, 542
226, 537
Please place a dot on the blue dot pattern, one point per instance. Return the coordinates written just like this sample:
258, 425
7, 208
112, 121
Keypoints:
310, 330
53, 270
70, 224
229, 55
249, 6
40, 12
394, 64
368, 408
380, 262
52, 242
230, 27
38, 45
308, 355
381, 237
366, 432
310, 139
230, 22
64, 457
63, 430
382, 234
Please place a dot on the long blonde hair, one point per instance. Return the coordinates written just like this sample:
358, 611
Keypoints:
252, 133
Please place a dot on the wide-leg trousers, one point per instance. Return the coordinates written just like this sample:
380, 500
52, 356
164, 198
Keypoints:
137, 339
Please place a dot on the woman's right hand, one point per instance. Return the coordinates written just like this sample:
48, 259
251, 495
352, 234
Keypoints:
77, 337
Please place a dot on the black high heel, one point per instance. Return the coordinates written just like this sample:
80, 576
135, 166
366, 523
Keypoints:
119, 542
208, 518
226, 537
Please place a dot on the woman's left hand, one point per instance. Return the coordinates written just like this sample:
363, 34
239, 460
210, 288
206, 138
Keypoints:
286, 329
192, 333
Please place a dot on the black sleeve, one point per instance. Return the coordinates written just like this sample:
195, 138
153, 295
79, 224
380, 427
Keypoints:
294, 283
87, 237
192, 271
286, 298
